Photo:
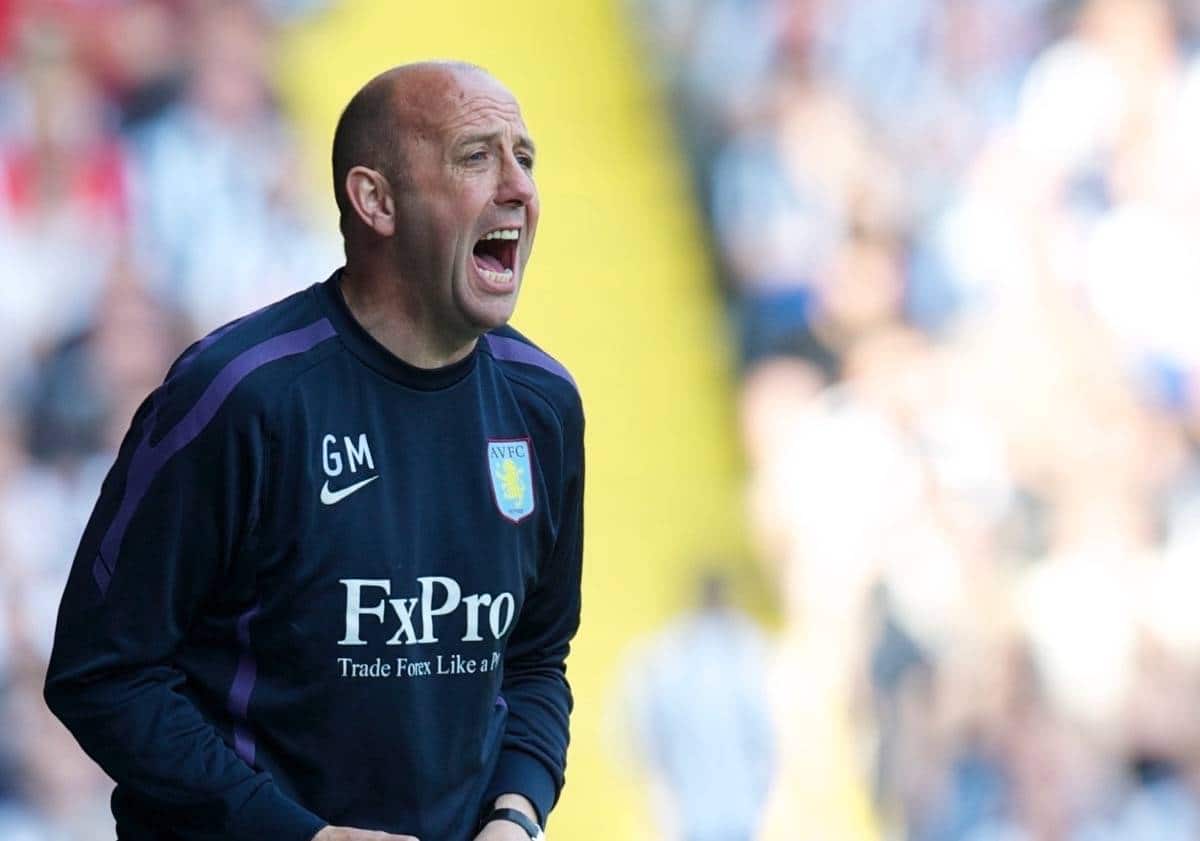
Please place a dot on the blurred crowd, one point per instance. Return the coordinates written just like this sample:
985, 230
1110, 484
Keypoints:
952, 243
148, 193
952, 237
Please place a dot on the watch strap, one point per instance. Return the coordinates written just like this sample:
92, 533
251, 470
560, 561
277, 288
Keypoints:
520, 819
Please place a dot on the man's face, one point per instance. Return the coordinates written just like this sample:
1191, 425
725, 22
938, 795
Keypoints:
468, 208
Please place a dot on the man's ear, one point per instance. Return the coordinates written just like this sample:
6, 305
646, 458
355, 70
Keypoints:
370, 195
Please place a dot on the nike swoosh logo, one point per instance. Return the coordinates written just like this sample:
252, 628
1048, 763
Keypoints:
333, 497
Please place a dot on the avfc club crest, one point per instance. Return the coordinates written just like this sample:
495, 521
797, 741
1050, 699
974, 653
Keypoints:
512, 477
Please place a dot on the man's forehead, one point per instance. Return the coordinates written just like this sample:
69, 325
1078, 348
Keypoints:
450, 100
485, 114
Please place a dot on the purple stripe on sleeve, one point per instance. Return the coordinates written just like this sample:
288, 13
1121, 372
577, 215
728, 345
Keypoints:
243, 685
149, 459
513, 350
211, 339
207, 342
101, 574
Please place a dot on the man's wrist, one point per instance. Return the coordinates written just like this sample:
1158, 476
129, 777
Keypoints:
519, 802
516, 821
515, 811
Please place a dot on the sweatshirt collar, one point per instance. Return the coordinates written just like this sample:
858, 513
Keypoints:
363, 345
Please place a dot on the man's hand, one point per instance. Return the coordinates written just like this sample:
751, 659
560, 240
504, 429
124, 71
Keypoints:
346, 833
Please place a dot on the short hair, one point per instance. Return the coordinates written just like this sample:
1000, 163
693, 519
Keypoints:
366, 135
369, 132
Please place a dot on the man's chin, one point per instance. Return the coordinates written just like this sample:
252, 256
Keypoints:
489, 311
485, 322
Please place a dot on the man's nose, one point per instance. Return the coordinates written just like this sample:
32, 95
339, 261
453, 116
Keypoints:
516, 187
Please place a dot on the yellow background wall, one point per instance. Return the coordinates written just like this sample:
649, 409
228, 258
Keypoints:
617, 290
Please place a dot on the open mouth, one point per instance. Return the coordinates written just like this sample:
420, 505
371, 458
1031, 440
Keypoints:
495, 254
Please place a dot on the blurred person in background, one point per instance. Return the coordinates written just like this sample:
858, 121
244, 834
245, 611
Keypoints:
695, 706
215, 174
778, 215
60, 794
137, 50
713, 57
64, 196
75, 408
72, 410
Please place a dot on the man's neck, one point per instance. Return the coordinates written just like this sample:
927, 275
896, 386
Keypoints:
386, 309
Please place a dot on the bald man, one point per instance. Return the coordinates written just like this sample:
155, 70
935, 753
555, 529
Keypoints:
331, 581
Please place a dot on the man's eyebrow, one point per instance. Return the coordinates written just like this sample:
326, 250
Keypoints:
490, 136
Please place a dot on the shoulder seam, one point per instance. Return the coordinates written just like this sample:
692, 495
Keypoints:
527, 354
320, 357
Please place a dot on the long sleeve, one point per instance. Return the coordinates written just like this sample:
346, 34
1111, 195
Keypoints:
533, 756
173, 518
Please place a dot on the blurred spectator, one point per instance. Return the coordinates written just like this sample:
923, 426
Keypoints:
713, 56
63, 794
63, 197
136, 50
696, 711
778, 218
220, 216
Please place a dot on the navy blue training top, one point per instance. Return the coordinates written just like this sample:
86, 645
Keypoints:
323, 586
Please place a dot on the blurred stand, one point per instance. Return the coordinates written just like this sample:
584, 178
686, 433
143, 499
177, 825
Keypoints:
694, 710
148, 192
955, 238
222, 226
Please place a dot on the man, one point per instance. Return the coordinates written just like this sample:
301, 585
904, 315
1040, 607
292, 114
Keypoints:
329, 586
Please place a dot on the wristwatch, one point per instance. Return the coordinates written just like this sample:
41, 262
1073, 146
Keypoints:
520, 819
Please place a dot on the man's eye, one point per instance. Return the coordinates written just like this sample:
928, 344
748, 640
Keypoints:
525, 161
477, 156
